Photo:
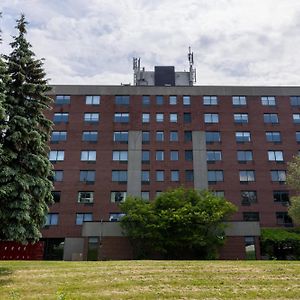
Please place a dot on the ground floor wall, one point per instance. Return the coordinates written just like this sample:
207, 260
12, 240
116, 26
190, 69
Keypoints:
235, 248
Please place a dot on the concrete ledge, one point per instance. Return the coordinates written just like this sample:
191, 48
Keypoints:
104, 229
101, 229
176, 90
242, 229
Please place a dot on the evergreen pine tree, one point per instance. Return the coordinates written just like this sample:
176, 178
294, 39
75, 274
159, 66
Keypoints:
2, 95
25, 190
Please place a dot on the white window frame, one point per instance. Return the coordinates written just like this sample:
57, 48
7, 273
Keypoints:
88, 155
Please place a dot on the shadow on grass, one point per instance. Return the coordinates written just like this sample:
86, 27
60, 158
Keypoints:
4, 273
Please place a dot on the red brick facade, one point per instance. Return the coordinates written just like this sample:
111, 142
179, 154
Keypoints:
231, 185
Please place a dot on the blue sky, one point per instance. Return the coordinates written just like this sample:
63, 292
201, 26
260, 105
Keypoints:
235, 42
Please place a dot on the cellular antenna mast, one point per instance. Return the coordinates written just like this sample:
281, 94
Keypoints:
192, 78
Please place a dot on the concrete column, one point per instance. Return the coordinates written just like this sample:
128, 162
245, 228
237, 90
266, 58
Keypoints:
199, 160
73, 248
134, 170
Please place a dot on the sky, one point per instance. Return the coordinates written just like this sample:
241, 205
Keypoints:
235, 42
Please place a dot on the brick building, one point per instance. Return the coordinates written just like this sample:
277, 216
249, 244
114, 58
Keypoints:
163, 132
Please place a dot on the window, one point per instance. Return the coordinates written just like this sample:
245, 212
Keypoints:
121, 136
220, 194
88, 155
210, 100
251, 216
145, 156
122, 100
146, 100
121, 117
248, 197
119, 176
159, 100
173, 100
188, 155
85, 197
174, 155
87, 176
56, 196
271, 118
213, 155
160, 175
58, 136
268, 101
212, 136
92, 100
159, 117
145, 118
62, 99
58, 175
145, 176
120, 155
117, 196
61, 118
188, 136
281, 197
278, 175
187, 117
242, 136
273, 136
240, 118
247, 176
189, 175
244, 155
159, 155
174, 175
283, 219
173, 117
239, 100
211, 118
57, 155
91, 117
159, 136
186, 100
296, 118
145, 195
145, 137
83, 217
298, 136
115, 217
275, 155
215, 176
157, 193
51, 219
90, 136
173, 136
295, 100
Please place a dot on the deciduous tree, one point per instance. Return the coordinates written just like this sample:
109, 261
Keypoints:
180, 223
25, 190
293, 180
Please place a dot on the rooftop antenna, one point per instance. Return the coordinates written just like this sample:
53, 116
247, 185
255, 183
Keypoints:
136, 69
192, 78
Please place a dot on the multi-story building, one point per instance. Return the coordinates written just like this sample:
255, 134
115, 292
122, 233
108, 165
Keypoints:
109, 142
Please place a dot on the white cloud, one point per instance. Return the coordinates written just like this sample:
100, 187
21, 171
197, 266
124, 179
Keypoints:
92, 42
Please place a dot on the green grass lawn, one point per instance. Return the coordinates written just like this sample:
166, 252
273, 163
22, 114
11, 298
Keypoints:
150, 280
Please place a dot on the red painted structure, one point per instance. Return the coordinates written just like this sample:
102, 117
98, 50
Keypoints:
17, 251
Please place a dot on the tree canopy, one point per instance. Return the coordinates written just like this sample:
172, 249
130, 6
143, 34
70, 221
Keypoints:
293, 180
25, 190
180, 223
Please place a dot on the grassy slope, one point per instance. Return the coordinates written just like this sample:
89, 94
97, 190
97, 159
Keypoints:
150, 280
